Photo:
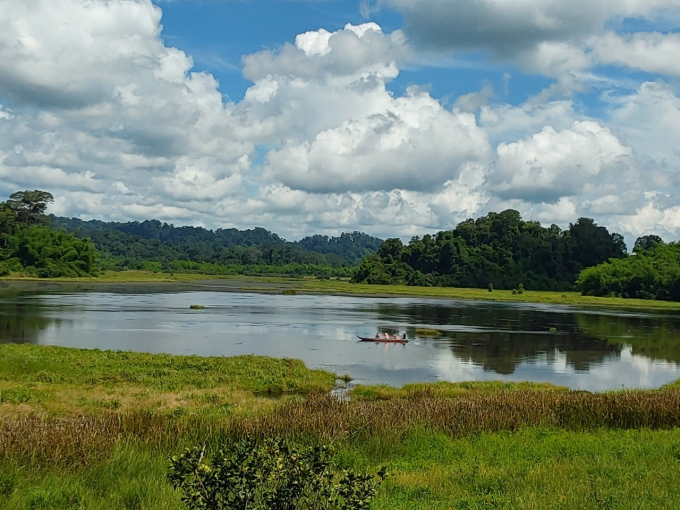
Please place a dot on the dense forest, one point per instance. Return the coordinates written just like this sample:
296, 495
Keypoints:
157, 246
29, 246
499, 250
653, 272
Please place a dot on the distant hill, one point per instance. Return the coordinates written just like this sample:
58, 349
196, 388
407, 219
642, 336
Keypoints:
137, 244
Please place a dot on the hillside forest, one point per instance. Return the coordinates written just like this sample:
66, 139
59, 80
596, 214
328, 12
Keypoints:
500, 250
156, 246
496, 251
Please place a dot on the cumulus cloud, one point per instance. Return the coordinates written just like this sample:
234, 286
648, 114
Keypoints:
97, 108
551, 37
553, 164
98, 99
652, 52
415, 144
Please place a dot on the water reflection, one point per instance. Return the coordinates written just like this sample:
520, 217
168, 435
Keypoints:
502, 353
587, 349
23, 321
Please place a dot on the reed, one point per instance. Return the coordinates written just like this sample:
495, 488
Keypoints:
78, 440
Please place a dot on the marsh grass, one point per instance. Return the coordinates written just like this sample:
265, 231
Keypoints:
94, 430
59, 381
428, 332
80, 439
41, 364
444, 389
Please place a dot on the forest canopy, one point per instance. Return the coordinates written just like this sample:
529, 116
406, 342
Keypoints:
653, 272
29, 246
158, 246
499, 249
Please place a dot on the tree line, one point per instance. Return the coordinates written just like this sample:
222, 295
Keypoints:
158, 246
653, 272
29, 246
499, 250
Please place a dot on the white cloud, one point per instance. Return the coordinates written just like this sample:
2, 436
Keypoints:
651, 52
414, 144
116, 124
551, 37
553, 164
649, 120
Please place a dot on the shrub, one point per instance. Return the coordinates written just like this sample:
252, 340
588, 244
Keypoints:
274, 474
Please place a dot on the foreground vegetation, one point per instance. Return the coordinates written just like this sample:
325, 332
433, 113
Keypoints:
91, 430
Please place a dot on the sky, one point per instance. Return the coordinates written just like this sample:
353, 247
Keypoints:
391, 117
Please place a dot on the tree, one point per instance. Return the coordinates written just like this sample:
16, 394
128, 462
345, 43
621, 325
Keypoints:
30, 206
646, 243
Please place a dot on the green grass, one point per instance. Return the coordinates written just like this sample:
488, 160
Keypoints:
57, 380
535, 468
445, 389
94, 430
529, 296
259, 374
428, 332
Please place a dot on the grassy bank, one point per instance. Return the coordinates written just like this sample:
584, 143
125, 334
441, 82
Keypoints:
58, 381
343, 287
94, 430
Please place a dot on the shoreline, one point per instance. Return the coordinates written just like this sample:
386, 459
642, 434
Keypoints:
312, 286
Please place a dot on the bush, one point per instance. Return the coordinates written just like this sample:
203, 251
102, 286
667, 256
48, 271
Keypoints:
274, 474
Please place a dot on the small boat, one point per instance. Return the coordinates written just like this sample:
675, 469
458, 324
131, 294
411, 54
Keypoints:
383, 340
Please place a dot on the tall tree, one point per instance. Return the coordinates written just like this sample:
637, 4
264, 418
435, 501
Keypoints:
30, 206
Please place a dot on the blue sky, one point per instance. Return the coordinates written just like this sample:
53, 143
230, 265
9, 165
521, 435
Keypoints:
394, 117
218, 33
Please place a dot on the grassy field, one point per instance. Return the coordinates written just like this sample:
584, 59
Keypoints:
57, 381
131, 276
94, 430
343, 287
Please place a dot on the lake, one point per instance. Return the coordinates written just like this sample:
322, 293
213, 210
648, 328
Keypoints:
591, 349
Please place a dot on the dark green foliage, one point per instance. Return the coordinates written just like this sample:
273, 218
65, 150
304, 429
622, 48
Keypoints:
274, 474
652, 273
30, 206
30, 248
499, 250
646, 243
155, 246
350, 246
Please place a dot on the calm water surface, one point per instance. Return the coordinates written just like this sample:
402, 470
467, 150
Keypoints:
592, 349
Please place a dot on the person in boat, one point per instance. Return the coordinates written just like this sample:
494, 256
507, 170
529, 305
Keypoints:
377, 335
403, 335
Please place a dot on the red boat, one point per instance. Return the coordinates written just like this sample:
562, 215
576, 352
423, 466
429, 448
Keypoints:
384, 340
